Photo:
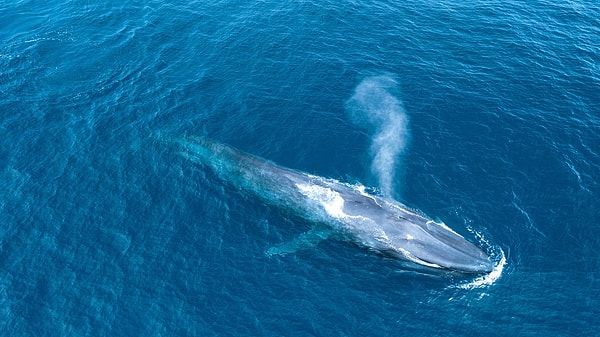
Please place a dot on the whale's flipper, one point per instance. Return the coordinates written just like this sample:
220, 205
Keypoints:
304, 241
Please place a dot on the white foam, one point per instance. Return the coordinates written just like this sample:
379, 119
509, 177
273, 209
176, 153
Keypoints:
362, 190
495, 274
487, 279
410, 257
332, 201
444, 226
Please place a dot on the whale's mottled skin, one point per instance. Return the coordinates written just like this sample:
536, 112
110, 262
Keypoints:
372, 221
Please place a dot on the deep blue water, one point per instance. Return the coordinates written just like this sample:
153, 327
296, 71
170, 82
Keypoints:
105, 229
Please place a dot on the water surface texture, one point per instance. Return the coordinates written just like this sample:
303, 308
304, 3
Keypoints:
483, 115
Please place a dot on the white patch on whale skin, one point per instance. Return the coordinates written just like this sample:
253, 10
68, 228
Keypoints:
332, 201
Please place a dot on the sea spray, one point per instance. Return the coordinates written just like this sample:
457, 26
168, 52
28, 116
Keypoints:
374, 106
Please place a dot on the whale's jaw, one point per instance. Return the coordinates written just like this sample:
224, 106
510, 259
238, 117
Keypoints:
446, 252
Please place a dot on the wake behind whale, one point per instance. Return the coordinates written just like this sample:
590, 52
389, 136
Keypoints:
375, 222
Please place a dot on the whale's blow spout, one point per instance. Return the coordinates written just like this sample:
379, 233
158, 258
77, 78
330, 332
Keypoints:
374, 106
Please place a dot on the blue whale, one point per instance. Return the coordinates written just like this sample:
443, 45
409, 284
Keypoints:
341, 209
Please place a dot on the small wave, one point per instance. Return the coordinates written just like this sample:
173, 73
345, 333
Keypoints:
488, 279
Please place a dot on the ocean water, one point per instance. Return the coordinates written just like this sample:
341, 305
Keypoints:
485, 115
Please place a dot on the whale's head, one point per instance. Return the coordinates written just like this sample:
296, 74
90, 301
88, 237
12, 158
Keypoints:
432, 244
408, 235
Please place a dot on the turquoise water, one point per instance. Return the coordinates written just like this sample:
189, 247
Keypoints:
487, 112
